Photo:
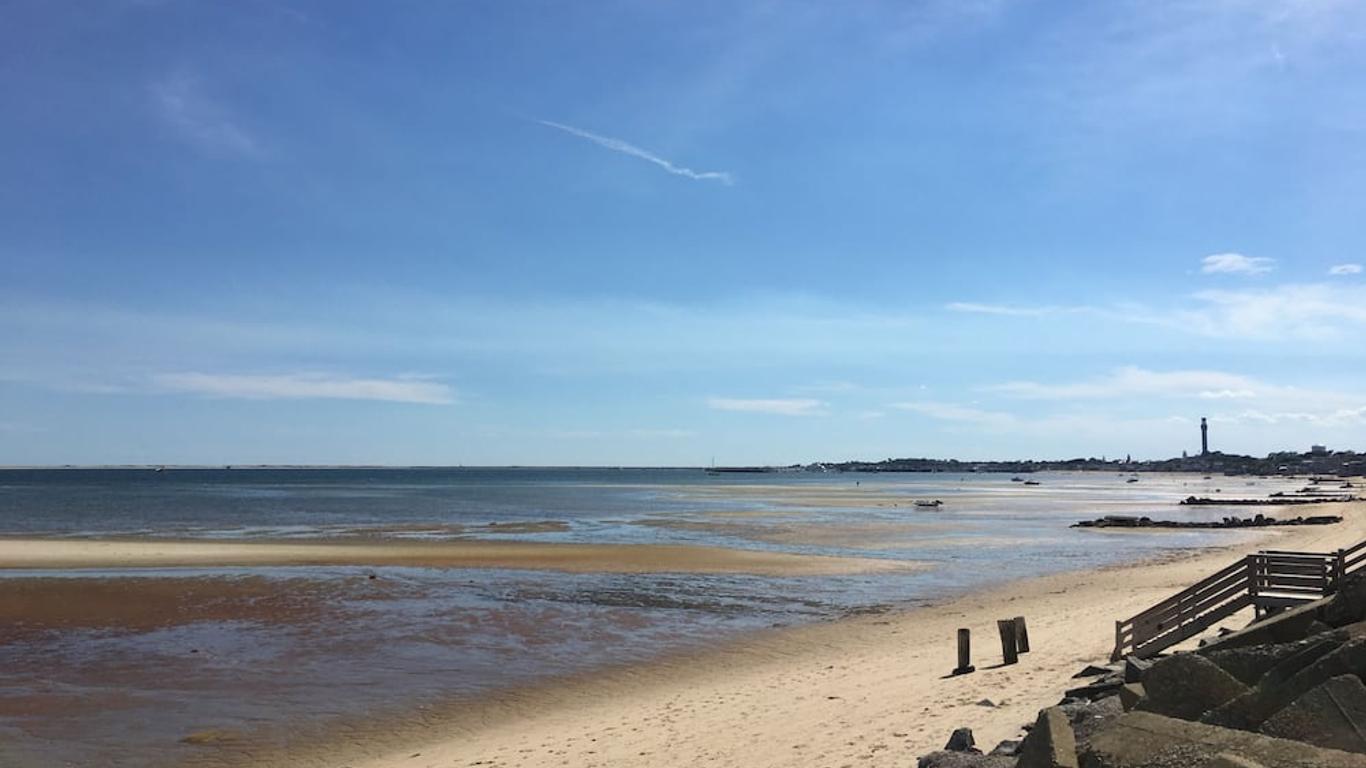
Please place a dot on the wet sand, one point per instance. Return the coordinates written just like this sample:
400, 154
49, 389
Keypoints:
34, 553
870, 690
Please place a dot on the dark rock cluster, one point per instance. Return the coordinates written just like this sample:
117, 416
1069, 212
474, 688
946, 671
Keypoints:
1285, 692
1259, 521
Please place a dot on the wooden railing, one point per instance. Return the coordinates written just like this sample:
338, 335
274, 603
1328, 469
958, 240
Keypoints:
1268, 581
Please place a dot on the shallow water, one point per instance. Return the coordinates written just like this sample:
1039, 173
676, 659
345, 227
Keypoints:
235, 651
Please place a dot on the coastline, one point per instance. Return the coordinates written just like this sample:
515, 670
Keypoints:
869, 690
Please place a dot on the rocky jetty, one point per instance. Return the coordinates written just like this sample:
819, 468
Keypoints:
1285, 692
1275, 501
1259, 521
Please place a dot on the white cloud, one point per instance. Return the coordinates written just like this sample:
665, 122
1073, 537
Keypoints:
1132, 381
1345, 269
1287, 311
1291, 311
181, 102
1338, 417
960, 413
307, 386
799, 406
617, 145
1236, 264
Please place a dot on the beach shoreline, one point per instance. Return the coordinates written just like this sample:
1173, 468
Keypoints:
865, 690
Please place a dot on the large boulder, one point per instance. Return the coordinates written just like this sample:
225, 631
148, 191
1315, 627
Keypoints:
1332, 714
1272, 694
1348, 606
1086, 716
1187, 685
1050, 743
1250, 663
1285, 627
1147, 740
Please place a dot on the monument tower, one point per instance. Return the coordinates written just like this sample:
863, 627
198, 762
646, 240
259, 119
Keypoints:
1204, 437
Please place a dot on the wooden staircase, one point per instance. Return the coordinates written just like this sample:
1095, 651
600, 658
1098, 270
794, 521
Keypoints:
1268, 581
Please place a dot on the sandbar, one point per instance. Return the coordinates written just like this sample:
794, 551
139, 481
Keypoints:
71, 554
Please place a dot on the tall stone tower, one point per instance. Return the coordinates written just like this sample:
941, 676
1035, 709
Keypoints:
1204, 437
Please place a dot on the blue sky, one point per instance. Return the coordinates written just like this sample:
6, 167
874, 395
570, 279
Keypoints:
662, 233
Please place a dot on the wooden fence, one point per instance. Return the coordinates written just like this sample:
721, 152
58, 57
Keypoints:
1268, 581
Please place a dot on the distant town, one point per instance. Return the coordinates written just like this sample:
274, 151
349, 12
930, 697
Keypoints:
1318, 460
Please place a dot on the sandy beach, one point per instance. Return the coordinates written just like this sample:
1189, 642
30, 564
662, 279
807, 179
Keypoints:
867, 691
16, 553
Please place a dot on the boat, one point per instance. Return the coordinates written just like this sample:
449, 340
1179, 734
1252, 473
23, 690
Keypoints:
1017, 479
928, 503
1031, 482
1132, 480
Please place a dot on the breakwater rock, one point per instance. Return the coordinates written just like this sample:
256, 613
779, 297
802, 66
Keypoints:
1259, 521
1287, 691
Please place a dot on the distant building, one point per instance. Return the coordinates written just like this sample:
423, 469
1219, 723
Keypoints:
1204, 437
1318, 450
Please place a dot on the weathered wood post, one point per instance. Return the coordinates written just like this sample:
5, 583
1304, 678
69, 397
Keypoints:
1006, 627
1021, 635
1338, 569
964, 653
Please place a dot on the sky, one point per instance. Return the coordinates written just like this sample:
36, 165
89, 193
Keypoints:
678, 233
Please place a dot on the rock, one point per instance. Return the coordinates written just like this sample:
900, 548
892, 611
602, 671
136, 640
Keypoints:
1187, 685
986, 703
1148, 740
1087, 716
1100, 689
1130, 695
1007, 748
1091, 670
1285, 627
961, 741
1272, 694
1135, 668
1251, 662
1050, 743
1348, 606
1331, 715
1227, 760
964, 760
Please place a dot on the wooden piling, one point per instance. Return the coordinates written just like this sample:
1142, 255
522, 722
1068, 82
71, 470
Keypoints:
1021, 635
1009, 652
964, 653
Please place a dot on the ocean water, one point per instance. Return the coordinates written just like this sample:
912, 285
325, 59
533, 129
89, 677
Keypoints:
312, 646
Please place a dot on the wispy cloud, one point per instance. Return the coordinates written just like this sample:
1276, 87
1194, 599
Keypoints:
799, 406
1236, 264
626, 148
1345, 269
1008, 310
307, 386
1137, 382
1314, 311
959, 413
181, 102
